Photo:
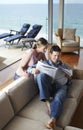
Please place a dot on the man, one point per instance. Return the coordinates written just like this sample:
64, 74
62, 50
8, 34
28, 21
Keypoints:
53, 92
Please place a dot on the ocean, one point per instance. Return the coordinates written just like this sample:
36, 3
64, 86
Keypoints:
13, 16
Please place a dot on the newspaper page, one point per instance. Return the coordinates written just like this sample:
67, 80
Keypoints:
69, 72
54, 72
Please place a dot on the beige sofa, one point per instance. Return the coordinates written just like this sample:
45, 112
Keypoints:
21, 109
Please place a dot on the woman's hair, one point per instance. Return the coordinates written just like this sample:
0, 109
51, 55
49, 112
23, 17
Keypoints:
55, 48
41, 42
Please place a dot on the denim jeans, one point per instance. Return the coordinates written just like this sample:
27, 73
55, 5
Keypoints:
48, 89
16, 76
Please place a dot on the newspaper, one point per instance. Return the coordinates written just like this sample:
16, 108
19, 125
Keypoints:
54, 72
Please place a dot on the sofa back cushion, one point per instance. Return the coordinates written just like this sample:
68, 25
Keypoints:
6, 110
21, 92
75, 89
69, 34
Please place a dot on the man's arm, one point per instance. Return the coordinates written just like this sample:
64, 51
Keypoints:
32, 70
29, 69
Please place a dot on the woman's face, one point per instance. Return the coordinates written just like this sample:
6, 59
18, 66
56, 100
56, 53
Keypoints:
43, 49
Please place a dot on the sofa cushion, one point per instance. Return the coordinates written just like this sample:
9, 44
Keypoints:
40, 112
36, 110
70, 43
69, 34
75, 89
21, 92
20, 123
72, 128
69, 108
6, 110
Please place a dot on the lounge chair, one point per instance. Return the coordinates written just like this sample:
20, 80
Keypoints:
18, 35
30, 37
3, 35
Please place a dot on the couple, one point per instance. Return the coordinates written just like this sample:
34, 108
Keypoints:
51, 91
48, 88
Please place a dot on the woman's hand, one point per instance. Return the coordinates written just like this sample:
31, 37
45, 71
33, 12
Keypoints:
26, 75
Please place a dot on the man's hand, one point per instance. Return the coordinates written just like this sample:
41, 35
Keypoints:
35, 71
68, 76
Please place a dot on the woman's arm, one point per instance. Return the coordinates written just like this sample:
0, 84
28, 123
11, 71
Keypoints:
24, 64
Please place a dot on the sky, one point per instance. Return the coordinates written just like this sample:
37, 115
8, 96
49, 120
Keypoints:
35, 1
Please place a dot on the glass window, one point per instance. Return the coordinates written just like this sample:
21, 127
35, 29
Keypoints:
73, 17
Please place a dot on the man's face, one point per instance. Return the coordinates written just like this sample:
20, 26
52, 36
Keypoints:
55, 56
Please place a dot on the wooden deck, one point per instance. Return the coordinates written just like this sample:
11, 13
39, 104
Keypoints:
73, 59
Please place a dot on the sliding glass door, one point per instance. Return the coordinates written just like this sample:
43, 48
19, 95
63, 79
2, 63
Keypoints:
73, 17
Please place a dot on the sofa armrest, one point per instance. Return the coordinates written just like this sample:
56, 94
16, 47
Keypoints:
77, 74
77, 39
72, 128
59, 40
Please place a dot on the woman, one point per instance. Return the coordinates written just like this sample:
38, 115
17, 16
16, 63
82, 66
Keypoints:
31, 57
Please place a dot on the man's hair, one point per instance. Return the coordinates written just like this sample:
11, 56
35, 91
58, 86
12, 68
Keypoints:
55, 48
